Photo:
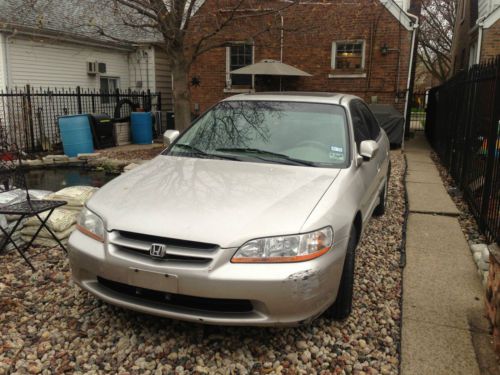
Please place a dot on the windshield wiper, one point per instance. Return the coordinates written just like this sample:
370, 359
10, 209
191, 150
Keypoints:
198, 152
254, 151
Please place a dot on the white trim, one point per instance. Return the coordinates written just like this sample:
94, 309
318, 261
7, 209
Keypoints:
108, 78
479, 43
43, 34
473, 53
228, 68
334, 52
492, 18
413, 60
396, 11
360, 75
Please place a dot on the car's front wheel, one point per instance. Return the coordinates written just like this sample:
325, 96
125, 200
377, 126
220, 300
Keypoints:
380, 209
342, 306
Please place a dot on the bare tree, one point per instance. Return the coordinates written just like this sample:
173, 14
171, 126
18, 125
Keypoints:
435, 36
168, 23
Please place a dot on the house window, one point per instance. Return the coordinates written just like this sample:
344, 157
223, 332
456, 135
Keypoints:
108, 86
238, 56
348, 55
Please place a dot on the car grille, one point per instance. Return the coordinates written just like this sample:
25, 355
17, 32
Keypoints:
179, 300
177, 250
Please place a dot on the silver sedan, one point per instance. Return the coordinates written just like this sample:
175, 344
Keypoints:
250, 217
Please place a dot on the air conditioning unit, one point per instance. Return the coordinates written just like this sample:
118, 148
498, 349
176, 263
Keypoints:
101, 67
92, 67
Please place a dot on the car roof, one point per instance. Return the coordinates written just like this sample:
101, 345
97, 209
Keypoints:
295, 96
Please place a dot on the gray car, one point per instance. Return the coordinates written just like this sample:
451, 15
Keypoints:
249, 217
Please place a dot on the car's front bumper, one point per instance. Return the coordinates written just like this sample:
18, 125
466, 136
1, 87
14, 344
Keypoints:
280, 294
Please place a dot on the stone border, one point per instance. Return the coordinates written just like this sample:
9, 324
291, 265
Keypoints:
94, 161
481, 256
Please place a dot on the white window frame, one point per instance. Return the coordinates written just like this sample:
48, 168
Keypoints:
228, 85
337, 73
107, 99
109, 78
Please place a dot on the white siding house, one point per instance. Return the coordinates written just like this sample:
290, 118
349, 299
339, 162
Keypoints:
487, 6
42, 62
3, 72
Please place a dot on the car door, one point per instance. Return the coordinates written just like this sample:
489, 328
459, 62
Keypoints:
368, 169
380, 160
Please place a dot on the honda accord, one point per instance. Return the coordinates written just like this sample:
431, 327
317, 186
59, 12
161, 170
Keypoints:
249, 217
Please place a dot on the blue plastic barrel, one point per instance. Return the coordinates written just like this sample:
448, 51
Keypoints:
76, 135
142, 127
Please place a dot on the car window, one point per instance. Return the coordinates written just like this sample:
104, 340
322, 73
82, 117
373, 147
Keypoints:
370, 120
312, 132
359, 123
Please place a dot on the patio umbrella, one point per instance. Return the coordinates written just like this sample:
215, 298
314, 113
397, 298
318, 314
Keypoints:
271, 68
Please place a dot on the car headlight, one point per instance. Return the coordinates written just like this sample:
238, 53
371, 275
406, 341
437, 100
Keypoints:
91, 225
297, 248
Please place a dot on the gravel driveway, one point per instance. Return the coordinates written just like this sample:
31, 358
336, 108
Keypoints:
48, 325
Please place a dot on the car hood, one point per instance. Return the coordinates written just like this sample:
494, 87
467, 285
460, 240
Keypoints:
214, 201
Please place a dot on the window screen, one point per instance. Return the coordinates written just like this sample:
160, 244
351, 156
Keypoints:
349, 55
240, 55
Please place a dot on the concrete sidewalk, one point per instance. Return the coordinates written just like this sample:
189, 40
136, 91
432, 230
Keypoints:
444, 329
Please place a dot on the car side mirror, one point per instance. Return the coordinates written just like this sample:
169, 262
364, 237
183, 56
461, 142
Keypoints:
368, 149
169, 136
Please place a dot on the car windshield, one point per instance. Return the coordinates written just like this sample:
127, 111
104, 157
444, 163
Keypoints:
292, 133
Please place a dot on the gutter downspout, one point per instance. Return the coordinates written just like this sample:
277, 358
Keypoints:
480, 24
410, 75
282, 42
5, 61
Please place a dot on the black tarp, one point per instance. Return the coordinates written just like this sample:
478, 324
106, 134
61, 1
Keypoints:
391, 121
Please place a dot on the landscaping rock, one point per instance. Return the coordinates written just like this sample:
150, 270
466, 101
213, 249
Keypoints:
483, 266
33, 163
86, 335
130, 167
89, 156
478, 247
485, 255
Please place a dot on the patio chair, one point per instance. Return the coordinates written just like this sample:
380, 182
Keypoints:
12, 177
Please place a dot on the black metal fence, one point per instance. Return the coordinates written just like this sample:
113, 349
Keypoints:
463, 126
418, 111
29, 117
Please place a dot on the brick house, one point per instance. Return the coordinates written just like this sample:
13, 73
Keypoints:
361, 47
477, 33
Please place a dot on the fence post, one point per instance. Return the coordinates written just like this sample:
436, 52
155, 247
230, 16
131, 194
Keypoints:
30, 117
158, 101
492, 143
117, 94
79, 99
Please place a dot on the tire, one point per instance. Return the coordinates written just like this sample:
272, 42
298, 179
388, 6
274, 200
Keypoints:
380, 209
341, 308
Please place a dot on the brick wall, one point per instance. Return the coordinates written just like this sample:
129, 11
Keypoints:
491, 42
310, 31
462, 38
